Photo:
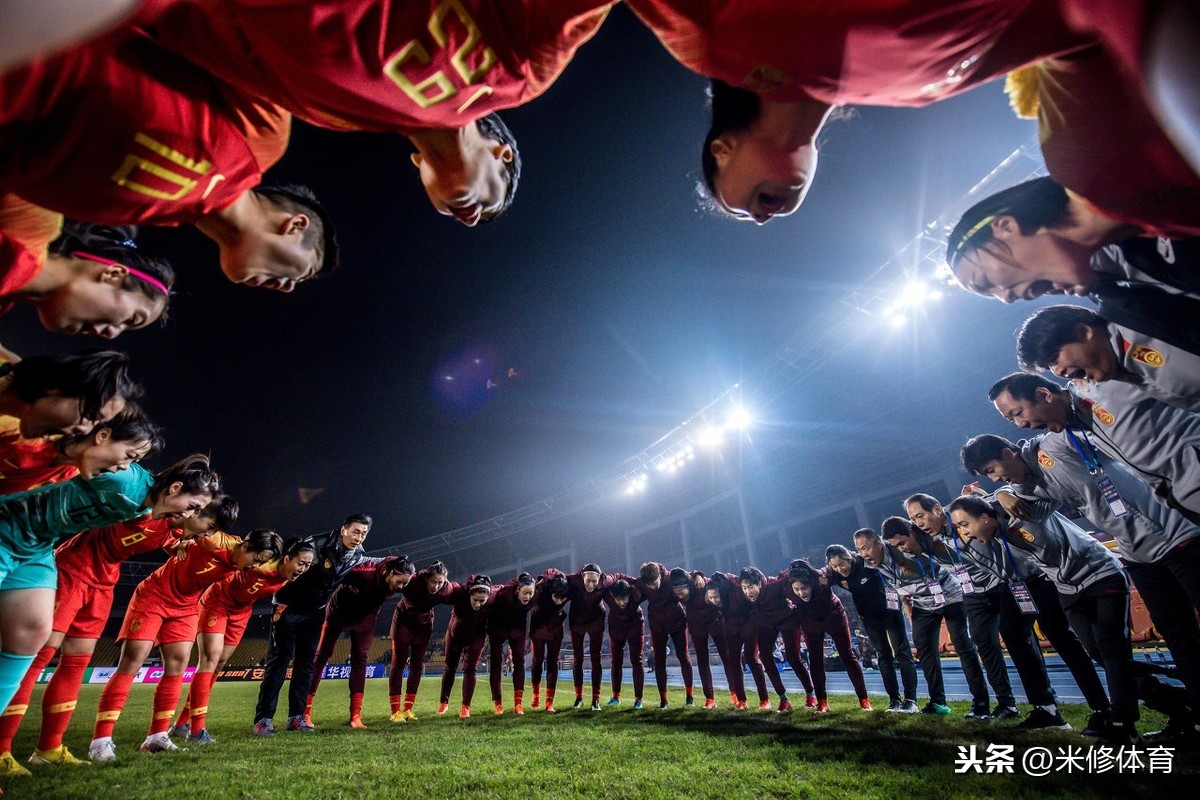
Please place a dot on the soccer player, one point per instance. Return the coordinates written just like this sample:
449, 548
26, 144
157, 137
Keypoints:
471, 604
353, 609
936, 596
164, 611
506, 624
176, 147
65, 394
296, 625
779, 66
225, 609
775, 613
821, 613
546, 633
737, 595
80, 278
586, 618
880, 612
666, 618
412, 625
704, 622
626, 629
1073, 342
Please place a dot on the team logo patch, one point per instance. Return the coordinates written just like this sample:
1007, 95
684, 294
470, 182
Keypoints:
1027, 536
1103, 414
328, 563
1045, 460
765, 79
212, 620
135, 626
1147, 355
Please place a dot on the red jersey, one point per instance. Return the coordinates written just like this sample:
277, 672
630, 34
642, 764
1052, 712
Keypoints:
417, 602
664, 612
131, 134
384, 65
508, 615
467, 624
546, 619
98, 554
179, 582
238, 592
362, 592
25, 233
28, 463
871, 52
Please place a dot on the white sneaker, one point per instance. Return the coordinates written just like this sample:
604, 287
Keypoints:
159, 743
102, 751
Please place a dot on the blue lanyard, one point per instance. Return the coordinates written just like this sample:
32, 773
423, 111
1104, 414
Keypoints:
1091, 458
917, 558
1012, 564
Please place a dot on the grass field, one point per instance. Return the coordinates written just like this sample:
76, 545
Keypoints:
618, 753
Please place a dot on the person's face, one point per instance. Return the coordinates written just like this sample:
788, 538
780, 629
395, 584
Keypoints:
478, 599
1092, 358
354, 534
558, 600
292, 568
621, 602
1046, 411
397, 581
249, 559
54, 413
654, 584
435, 582
175, 503
681, 592
712, 597
1008, 468
802, 590
96, 304
198, 526
840, 565
932, 522
1016, 266
751, 590
907, 544
106, 454
591, 580
981, 528
472, 189
870, 549
275, 258
759, 181
525, 594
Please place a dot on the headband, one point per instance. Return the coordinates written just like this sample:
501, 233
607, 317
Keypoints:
974, 229
137, 273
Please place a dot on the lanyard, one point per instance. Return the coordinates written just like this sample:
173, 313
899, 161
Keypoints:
1091, 458
1012, 563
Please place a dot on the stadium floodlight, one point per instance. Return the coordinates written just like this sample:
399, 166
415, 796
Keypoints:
897, 320
739, 419
710, 436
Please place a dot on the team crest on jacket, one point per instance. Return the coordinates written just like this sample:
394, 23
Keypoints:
765, 79
328, 563
1045, 460
1147, 355
1103, 414
1026, 535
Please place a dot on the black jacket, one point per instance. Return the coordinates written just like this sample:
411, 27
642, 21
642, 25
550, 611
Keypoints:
312, 590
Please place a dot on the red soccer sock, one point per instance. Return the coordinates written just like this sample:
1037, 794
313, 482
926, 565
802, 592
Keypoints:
10, 720
409, 699
689, 692
112, 700
356, 701
662, 696
166, 697
596, 695
201, 690
578, 691
185, 715
394, 699
58, 703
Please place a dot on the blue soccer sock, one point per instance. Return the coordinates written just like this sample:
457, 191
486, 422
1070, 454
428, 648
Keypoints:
12, 670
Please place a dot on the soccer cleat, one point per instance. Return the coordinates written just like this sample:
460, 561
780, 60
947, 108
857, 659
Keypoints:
518, 709
1041, 719
936, 708
614, 701
662, 704
1095, 724
397, 716
464, 712
104, 751
733, 698
893, 705
408, 715
537, 698
595, 705
822, 706
201, 737
181, 731
785, 707
1120, 733
357, 723
910, 707
979, 715
308, 718
710, 703
299, 725
442, 707
865, 704
691, 701
742, 705
1178, 731
764, 705
11, 768
810, 701
550, 708
1006, 712
59, 756
637, 705
159, 743
264, 727
578, 703
498, 709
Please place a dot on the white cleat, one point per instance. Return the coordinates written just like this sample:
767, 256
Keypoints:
102, 751
159, 743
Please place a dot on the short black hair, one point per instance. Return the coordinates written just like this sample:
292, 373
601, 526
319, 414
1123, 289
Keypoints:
840, 550
1043, 335
733, 109
364, 519
975, 506
95, 377
1022, 386
925, 501
895, 526
752, 575
196, 474
321, 234
1037, 203
492, 127
981, 449
223, 510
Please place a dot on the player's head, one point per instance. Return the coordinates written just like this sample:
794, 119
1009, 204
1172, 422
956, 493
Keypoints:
397, 572
67, 394
591, 575
839, 559
1070, 342
994, 457
1007, 246
973, 518
220, 514
525, 588
475, 179
747, 172
803, 579
1031, 401
257, 547
751, 580
284, 238
354, 530
901, 534
183, 489
680, 582
297, 556
479, 590
926, 513
436, 577
113, 444
560, 589
650, 574
869, 545
621, 593
106, 284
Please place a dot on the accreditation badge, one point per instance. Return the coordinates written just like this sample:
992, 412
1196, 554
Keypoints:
1021, 595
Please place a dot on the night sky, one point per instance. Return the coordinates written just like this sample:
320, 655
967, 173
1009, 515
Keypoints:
620, 307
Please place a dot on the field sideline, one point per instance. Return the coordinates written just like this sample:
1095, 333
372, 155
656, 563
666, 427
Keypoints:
618, 753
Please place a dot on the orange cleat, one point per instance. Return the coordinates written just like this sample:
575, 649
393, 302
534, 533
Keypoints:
537, 698
764, 705
822, 706
464, 712
741, 706
810, 701
865, 704
710, 703
357, 723
550, 708
498, 709
519, 709
442, 708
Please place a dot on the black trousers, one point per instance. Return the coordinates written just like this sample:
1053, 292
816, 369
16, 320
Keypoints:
1099, 615
1171, 589
983, 615
1052, 619
890, 638
1016, 629
927, 627
294, 638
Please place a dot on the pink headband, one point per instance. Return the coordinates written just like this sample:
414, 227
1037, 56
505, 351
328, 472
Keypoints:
137, 273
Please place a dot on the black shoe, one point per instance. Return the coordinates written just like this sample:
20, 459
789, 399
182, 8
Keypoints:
979, 715
1041, 719
691, 701
578, 703
1095, 724
1006, 712
1177, 729
1120, 733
